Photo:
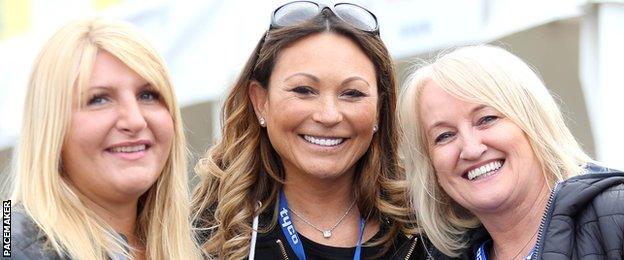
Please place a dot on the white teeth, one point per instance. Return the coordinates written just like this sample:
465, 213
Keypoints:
128, 149
323, 141
485, 170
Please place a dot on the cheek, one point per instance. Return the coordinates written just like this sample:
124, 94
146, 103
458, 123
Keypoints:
287, 113
86, 132
162, 127
444, 160
362, 115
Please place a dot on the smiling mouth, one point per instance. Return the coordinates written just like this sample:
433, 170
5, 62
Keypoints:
323, 141
484, 171
129, 149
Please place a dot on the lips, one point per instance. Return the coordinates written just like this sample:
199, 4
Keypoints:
484, 170
324, 141
129, 149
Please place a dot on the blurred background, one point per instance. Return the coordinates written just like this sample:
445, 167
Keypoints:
576, 45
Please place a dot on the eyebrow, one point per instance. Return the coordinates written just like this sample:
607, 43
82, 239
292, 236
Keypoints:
307, 75
146, 85
354, 78
317, 79
472, 111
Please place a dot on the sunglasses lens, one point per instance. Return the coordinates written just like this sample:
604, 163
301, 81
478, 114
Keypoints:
295, 13
356, 16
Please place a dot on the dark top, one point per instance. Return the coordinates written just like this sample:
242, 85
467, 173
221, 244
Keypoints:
28, 242
584, 220
273, 245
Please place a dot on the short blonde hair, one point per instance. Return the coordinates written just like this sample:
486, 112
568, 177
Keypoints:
484, 75
63, 68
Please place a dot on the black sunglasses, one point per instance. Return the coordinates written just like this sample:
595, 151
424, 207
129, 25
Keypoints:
297, 12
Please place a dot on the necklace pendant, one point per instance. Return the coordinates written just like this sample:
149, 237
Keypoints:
327, 233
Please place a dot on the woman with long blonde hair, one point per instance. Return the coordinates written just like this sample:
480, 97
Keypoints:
101, 168
307, 164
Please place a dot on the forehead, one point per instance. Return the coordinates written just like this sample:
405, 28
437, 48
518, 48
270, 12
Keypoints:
435, 104
322, 54
108, 70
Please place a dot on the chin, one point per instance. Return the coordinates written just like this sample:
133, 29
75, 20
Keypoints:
136, 187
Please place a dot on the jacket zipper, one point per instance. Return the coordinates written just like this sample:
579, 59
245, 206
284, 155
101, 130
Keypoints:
281, 246
411, 249
545, 219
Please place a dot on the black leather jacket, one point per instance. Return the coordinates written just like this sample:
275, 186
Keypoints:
584, 219
273, 245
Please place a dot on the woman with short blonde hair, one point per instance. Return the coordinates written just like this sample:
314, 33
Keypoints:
50, 195
484, 145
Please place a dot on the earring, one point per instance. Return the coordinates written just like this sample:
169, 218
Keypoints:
375, 128
261, 121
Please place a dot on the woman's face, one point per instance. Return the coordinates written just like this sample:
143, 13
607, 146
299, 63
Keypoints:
120, 135
321, 105
482, 159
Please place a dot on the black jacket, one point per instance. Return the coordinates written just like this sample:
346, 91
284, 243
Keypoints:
273, 245
584, 219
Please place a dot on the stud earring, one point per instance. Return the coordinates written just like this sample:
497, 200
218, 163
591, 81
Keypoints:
261, 121
375, 128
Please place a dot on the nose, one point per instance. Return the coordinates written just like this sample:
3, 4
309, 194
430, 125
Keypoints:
328, 113
130, 117
472, 147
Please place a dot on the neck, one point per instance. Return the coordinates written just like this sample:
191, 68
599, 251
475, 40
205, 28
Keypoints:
323, 202
514, 231
121, 216
308, 194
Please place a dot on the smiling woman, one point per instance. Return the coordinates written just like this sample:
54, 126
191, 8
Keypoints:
493, 168
307, 166
101, 169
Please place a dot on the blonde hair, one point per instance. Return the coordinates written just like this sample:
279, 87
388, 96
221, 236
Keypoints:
484, 75
63, 68
242, 168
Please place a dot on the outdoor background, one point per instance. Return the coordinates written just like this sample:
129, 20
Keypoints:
577, 47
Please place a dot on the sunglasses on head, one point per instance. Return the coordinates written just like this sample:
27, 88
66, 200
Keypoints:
297, 12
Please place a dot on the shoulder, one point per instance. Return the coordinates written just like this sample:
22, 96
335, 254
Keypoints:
414, 247
400, 246
588, 210
598, 185
27, 240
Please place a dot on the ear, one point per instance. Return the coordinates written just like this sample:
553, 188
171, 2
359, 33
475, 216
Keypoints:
259, 98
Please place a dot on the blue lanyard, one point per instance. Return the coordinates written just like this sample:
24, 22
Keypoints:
291, 235
481, 252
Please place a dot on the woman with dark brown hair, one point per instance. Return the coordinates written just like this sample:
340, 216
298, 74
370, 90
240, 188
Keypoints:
307, 165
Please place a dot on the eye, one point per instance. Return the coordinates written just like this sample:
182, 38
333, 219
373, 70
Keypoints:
354, 93
97, 99
149, 95
443, 137
303, 90
487, 120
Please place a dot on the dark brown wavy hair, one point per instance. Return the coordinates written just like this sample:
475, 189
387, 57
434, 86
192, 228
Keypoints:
243, 168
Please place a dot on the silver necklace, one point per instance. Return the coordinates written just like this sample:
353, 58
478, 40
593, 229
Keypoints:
519, 251
327, 233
